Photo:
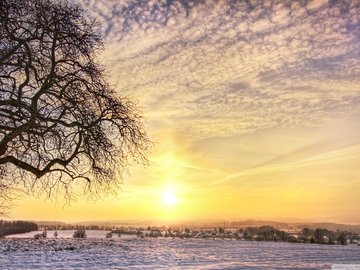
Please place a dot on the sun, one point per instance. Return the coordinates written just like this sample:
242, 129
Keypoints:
169, 198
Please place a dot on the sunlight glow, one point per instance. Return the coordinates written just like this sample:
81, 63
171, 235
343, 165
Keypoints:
169, 198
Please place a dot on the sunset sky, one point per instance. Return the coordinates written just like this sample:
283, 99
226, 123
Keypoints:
253, 107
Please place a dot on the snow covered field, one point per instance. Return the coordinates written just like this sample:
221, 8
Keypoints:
136, 253
68, 234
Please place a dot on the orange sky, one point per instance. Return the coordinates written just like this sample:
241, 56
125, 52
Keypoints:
254, 112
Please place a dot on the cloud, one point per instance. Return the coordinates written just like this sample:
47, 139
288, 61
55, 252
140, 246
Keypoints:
344, 153
221, 68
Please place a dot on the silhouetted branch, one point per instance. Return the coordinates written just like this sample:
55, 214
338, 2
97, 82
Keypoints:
60, 120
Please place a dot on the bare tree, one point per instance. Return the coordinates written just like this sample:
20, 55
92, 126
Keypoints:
60, 121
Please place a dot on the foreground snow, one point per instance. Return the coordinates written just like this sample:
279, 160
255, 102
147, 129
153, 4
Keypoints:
67, 234
119, 253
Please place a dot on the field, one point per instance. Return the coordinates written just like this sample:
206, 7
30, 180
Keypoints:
96, 252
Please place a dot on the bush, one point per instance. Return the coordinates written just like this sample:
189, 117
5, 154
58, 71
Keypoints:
79, 233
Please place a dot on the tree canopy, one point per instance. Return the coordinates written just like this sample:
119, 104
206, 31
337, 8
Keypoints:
60, 120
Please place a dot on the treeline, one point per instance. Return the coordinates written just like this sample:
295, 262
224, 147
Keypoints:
15, 227
266, 233
325, 236
62, 227
306, 235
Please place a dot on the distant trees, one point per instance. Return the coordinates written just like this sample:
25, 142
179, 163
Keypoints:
60, 121
307, 233
79, 233
266, 233
15, 227
320, 234
324, 236
341, 238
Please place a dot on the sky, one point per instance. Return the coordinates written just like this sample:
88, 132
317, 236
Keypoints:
253, 108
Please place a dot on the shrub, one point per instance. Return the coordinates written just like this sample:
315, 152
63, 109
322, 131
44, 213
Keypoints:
79, 233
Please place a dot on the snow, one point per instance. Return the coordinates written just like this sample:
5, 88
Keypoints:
137, 253
69, 234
